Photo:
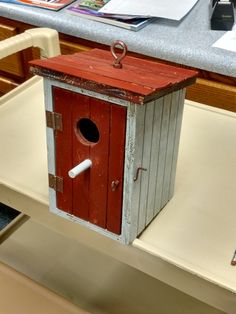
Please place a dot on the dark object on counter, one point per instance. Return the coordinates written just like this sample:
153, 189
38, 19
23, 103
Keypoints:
7, 214
222, 14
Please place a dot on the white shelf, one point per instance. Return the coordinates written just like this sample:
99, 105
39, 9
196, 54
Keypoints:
191, 242
197, 229
23, 156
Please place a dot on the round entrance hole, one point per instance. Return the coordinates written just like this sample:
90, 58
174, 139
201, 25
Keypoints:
88, 130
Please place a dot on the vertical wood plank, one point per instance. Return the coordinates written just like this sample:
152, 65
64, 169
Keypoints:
99, 154
133, 160
63, 142
138, 162
51, 151
146, 155
179, 120
81, 151
116, 167
155, 143
162, 151
170, 148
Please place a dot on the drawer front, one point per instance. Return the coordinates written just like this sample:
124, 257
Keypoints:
13, 63
70, 47
6, 85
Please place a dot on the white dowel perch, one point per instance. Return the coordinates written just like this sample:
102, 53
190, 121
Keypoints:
84, 165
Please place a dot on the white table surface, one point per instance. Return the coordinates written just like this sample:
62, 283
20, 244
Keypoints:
196, 230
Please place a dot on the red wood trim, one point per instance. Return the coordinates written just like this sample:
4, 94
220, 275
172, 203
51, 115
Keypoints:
99, 154
138, 81
89, 196
81, 151
110, 90
62, 104
129, 77
116, 168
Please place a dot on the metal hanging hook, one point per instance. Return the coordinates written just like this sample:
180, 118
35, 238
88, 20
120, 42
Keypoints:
137, 173
118, 44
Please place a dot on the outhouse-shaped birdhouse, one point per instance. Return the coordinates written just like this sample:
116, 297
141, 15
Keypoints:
113, 133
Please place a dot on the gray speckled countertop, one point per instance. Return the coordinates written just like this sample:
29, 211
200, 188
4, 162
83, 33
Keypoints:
186, 42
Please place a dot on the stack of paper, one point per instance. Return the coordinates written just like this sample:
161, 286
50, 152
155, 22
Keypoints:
131, 14
227, 41
91, 9
172, 9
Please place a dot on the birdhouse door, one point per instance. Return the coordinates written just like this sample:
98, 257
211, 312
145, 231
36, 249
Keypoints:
92, 130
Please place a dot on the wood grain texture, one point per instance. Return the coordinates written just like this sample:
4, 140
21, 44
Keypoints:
154, 157
213, 93
138, 81
145, 174
171, 138
14, 69
152, 140
63, 143
70, 47
99, 154
162, 151
80, 109
179, 118
116, 168
133, 160
11, 64
6, 85
89, 196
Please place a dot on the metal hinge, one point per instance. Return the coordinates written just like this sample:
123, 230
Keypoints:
54, 120
55, 182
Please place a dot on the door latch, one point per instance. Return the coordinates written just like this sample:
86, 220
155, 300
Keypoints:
114, 185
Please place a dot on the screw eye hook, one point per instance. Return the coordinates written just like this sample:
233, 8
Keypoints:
118, 58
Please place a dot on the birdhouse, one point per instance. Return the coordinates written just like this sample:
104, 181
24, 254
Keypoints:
113, 128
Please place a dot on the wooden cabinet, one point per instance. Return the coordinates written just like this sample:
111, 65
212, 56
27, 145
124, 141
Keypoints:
11, 64
14, 69
68, 46
71, 44
214, 93
211, 88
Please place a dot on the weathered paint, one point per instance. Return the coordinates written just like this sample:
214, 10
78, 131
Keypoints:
62, 104
139, 81
116, 168
152, 133
89, 195
106, 197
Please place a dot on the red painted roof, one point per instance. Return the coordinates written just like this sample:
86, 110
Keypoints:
138, 80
